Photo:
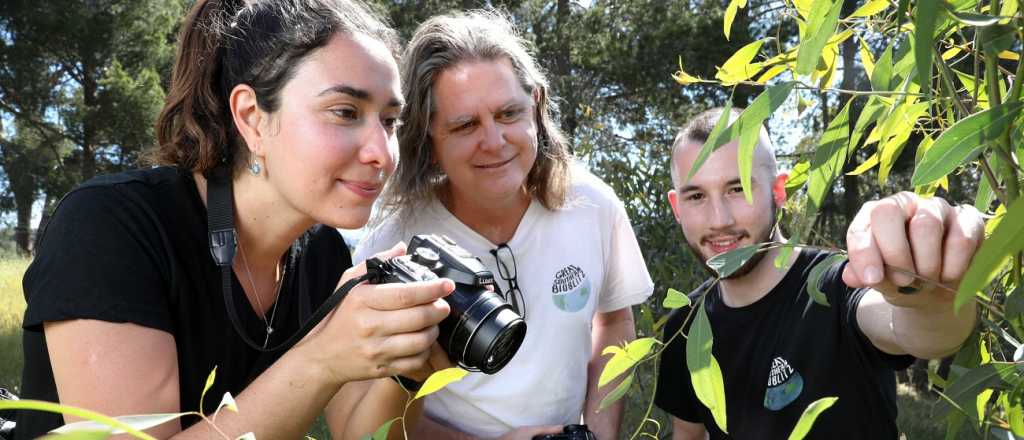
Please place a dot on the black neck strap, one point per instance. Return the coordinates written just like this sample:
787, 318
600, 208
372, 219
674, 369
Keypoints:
220, 214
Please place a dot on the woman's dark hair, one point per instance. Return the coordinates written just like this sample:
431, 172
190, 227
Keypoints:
260, 43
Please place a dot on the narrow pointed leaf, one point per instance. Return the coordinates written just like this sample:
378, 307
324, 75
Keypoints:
824, 17
814, 278
1007, 239
870, 8
749, 126
965, 390
79, 435
829, 158
719, 136
972, 19
803, 426
963, 141
739, 66
705, 373
730, 14
623, 359
926, 15
865, 166
439, 380
140, 422
684, 78
616, 393
209, 383
725, 263
675, 299
881, 76
38, 405
866, 59
382, 432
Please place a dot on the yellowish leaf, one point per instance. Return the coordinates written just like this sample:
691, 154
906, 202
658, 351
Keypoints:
870, 8
730, 14
771, 73
951, 52
803, 7
684, 78
739, 67
1007, 55
865, 166
439, 380
866, 59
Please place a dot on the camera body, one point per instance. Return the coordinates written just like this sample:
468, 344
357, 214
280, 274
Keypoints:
482, 332
570, 432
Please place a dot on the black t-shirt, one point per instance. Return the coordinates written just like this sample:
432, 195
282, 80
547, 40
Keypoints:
780, 354
133, 247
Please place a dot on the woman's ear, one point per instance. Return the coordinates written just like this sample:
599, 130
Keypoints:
247, 116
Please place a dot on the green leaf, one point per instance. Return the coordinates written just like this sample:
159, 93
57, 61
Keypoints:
730, 14
881, 77
140, 422
873, 110
616, 393
725, 263
38, 405
926, 15
675, 299
1007, 239
624, 359
963, 141
870, 8
824, 18
749, 126
797, 177
965, 390
997, 38
814, 278
382, 432
895, 132
79, 435
439, 380
705, 373
739, 67
972, 19
829, 158
803, 426
716, 139
865, 166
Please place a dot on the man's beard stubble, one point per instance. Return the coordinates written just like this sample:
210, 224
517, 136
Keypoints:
747, 267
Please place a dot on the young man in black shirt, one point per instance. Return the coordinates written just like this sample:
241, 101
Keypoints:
779, 351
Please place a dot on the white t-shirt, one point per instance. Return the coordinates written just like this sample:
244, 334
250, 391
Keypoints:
570, 263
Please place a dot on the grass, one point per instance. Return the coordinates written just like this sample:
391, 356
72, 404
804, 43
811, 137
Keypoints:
915, 418
12, 307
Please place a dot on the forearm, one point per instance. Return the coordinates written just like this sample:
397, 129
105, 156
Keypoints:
382, 401
933, 332
426, 428
281, 403
613, 328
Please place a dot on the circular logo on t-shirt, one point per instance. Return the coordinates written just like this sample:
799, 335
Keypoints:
571, 289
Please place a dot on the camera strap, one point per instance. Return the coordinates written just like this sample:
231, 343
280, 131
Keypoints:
220, 217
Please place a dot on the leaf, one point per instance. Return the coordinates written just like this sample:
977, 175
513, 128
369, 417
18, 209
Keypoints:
38, 405
228, 402
926, 15
675, 299
246, 436
684, 78
963, 141
881, 76
797, 176
439, 380
79, 435
140, 422
870, 8
865, 166
965, 390
950, 53
829, 158
803, 426
814, 278
749, 126
382, 432
730, 14
972, 19
725, 263
624, 359
739, 67
209, 383
803, 7
997, 38
1007, 239
824, 17
714, 141
771, 73
866, 59
616, 393
705, 373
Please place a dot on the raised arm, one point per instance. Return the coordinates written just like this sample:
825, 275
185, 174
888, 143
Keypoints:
905, 234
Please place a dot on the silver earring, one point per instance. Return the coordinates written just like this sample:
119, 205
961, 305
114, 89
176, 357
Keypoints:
255, 168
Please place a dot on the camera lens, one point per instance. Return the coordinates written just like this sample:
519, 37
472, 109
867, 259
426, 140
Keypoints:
482, 332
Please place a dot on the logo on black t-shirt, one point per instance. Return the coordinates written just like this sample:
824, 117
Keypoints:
570, 289
784, 385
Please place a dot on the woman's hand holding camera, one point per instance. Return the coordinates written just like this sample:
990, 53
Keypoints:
380, 330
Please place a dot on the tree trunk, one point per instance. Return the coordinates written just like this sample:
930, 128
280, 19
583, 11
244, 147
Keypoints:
562, 68
44, 218
89, 98
851, 191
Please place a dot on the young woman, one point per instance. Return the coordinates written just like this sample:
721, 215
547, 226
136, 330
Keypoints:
296, 103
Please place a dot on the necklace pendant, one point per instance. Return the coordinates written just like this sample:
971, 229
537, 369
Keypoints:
267, 339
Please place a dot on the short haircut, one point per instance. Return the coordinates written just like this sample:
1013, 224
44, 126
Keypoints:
699, 129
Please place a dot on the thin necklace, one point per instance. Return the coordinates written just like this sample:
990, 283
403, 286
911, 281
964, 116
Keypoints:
279, 281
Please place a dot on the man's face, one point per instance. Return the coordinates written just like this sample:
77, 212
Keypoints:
712, 210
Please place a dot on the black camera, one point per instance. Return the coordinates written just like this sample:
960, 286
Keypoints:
570, 432
482, 332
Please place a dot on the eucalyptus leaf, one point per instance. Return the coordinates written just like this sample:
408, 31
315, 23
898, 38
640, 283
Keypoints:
881, 77
725, 263
814, 278
810, 414
997, 38
88, 415
973, 19
616, 393
140, 422
824, 18
1007, 239
78, 435
715, 140
730, 14
749, 126
829, 158
739, 67
963, 141
675, 299
440, 379
965, 390
870, 8
705, 373
382, 432
926, 15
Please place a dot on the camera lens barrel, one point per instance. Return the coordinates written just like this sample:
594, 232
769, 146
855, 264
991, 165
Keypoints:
482, 332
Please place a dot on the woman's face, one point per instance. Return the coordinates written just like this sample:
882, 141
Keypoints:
483, 131
331, 144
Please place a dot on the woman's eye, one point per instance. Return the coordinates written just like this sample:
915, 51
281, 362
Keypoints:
346, 113
510, 115
392, 124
